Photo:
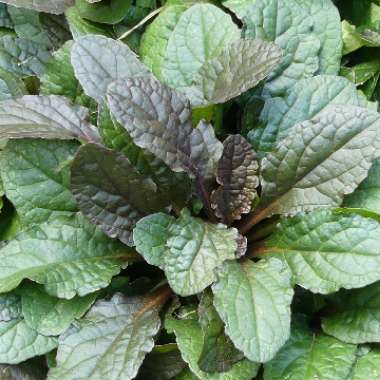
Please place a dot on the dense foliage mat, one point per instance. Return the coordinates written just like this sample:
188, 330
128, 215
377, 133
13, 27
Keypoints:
189, 190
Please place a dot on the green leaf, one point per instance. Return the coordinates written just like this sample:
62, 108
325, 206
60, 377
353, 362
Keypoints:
320, 161
110, 191
305, 100
27, 25
51, 117
34, 179
68, 255
308, 356
240, 66
351, 38
309, 32
111, 341
189, 337
11, 86
367, 366
155, 38
367, 195
327, 251
361, 73
357, 316
191, 253
218, 353
238, 179
80, 27
51, 6
18, 342
98, 61
5, 18
10, 307
159, 120
22, 57
163, 363
197, 38
260, 293
49, 315
59, 77
106, 12
29, 370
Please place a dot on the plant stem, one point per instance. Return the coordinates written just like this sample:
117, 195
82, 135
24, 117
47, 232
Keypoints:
141, 23
251, 221
205, 197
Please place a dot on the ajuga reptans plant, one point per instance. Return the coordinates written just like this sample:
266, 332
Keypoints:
189, 191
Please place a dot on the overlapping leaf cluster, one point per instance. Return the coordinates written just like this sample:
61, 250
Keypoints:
189, 190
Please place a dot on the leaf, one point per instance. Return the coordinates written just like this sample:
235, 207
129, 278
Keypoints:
154, 41
107, 12
98, 61
110, 192
305, 100
189, 337
18, 342
327, 251
240, 66
159, 119
357, 316
49, 315
111, 341
309, 32
34, 179
260, 293
196, 39
309, 356
320, 161
10, 307
218, 353
366, 366
11, 86
51, 6
22, 57
238, 179
192, 251
5, 18
361, 73
59, 77
29, 370
163, 363
51, 117
80, 27
351, 38
175, 186
68, 255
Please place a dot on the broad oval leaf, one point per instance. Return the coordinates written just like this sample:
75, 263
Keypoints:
51, 117
260, 293
110, 192
367, 195
197, 38
240, 66
98, 61
159, 120
18, 342
238, 178
303, 101
155, 38
309, 356
50, 315
357, 316
326, 251
320, 161
309, 33
189, 337
51, 6
36, 178
68, 255
111, 341
191, 253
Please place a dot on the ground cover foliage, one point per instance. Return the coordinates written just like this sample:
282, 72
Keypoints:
189, 190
